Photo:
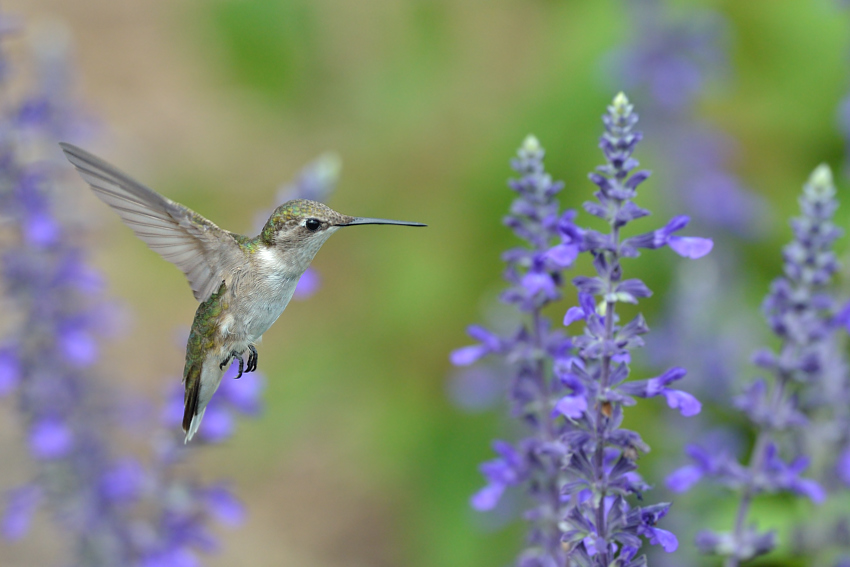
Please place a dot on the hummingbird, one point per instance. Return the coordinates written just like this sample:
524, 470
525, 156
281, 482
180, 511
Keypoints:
243, 284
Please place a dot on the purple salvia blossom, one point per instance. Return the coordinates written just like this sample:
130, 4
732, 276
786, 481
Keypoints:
534, 274
801, 313
113, 510
602, 527
578, 466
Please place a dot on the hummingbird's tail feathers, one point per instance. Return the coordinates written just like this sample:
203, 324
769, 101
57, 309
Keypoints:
192, 383
203, 251
193, 427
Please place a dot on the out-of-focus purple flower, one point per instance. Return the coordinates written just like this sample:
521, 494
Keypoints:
124, 481
842, 466
218, 423
10, 371
308, 284
224, 505
800, 311
41, 230
509, 469
476, 389
111, 509
78, 346
50, 438
21, 504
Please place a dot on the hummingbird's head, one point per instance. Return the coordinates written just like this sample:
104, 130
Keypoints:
305, 225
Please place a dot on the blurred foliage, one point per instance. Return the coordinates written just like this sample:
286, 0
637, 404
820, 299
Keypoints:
426, 101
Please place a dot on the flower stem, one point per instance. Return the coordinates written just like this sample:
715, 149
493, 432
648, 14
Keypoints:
756, 463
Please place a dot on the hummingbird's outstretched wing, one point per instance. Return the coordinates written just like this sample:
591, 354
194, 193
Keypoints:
203, 251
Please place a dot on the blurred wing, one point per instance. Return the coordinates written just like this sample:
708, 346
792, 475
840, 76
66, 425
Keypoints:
203, 251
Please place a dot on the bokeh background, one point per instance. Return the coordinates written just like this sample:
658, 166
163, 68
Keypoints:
362, 456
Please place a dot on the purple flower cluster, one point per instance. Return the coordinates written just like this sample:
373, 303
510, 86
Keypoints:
114, 509
801, 313
578, 465
534, 274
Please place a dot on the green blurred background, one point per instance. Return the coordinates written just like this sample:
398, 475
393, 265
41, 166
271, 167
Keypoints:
360, 457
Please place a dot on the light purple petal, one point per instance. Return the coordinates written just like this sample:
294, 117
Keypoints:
690, 246
563, 255
177, 557
683, 479
50, 439
487, 498
572, 407
225, 506
624, 357
78, 346
809, 488
666, 539
41, 230
539, 282
573, 314
687, 405
467, 355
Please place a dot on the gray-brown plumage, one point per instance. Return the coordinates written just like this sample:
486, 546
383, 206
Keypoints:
243, 283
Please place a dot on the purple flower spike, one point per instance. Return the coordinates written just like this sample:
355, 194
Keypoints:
800, 311
108, 507
577, 464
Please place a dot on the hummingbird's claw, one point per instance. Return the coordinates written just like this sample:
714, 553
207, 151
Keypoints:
237, 356
241, 364
252, 359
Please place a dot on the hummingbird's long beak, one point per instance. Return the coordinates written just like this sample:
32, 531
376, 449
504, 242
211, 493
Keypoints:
365, 220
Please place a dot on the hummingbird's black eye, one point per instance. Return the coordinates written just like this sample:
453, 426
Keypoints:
313, 224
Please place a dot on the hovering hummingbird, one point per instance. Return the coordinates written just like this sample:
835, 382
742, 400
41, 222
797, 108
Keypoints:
243, 283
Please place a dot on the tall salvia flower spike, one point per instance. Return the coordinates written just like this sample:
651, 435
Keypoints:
577, 466
800, 312
602, 528
534, 274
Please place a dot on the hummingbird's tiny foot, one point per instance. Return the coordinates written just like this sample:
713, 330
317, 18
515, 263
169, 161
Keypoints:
238, 357
226, 361
252, 359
